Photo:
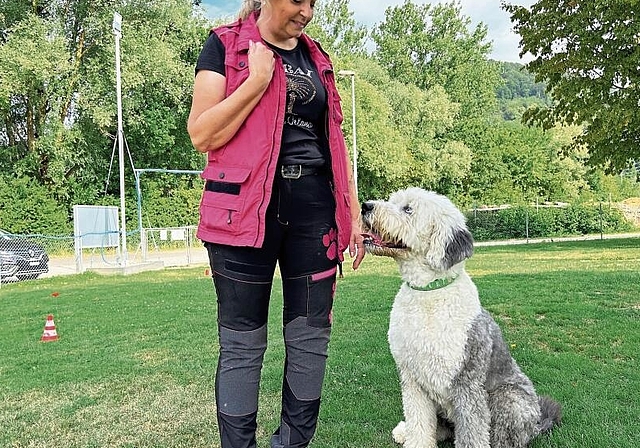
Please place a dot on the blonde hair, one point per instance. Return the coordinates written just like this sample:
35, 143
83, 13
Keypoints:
249, 6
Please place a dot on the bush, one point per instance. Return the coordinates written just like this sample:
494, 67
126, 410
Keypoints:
28, 208
174, 207
529, 222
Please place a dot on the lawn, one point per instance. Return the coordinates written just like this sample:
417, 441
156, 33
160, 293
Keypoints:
135, 362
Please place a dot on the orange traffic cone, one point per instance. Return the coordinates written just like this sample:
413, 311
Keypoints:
49, 333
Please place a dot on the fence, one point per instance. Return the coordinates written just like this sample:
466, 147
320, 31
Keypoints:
549, 220
631, 212
37, 256
176, 246
40, 256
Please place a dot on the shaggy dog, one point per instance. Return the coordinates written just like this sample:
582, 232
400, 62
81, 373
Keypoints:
457, 376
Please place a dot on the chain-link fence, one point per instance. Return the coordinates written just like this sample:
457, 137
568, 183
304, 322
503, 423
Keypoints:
175, 246
30, 256
631, 211
37, 256
546, 220
25, 257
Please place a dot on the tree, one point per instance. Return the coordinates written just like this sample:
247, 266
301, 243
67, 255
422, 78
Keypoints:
334, 26
518, 91
513, 164
587, 53
34, 68
518, 82
433, 46
403, 132
57, 89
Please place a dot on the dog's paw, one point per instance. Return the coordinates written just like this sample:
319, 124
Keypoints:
398, 433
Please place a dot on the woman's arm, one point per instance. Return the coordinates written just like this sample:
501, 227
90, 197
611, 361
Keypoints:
356, 246
214, 119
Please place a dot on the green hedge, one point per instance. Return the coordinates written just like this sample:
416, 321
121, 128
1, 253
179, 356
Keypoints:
27, 208
30, 209
174, 208
531, 222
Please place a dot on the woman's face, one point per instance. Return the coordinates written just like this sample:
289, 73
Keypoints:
287, 18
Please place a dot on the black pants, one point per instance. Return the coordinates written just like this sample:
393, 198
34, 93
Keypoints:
301, 238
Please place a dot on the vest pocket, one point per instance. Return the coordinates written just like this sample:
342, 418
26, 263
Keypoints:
220, 211
222, 201
236, 72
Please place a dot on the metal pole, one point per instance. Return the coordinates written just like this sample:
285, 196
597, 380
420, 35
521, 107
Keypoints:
117, 31
352, 75
353, 114
139, 201
601, 228
143, 233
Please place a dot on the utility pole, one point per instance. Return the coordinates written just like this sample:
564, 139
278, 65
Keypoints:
117, 31
352, 75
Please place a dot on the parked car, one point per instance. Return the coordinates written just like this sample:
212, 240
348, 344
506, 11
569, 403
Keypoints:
21, 259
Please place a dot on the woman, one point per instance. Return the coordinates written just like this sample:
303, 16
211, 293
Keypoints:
278, 190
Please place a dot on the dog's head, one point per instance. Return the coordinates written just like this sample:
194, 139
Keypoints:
417, 224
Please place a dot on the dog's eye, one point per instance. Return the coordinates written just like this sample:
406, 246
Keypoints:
407, 209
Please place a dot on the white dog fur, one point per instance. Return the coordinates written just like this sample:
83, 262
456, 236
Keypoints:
458, 378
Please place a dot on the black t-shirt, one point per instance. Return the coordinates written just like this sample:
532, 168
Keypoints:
303, 137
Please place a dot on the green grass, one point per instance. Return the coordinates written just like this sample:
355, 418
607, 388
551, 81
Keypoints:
135, 363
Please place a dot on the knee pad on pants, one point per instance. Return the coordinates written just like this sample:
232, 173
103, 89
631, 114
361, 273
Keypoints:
239, 366
306, 358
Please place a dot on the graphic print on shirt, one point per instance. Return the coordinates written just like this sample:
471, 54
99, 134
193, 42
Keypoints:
303, 139
300, 91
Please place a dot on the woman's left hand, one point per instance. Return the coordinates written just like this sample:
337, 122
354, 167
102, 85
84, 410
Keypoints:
356, 245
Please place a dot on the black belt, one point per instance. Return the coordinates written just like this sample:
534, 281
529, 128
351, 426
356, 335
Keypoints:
285, 171
298, 171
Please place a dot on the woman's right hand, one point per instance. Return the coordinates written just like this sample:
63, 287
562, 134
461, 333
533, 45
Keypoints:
261, 63
215, 118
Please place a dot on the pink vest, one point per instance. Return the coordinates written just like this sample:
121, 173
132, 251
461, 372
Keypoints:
249, 159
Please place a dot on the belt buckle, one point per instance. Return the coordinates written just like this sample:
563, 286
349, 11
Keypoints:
289, 172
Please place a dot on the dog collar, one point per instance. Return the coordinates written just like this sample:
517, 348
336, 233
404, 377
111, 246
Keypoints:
436, 284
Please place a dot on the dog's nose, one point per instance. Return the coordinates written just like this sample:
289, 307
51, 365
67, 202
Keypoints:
367, 207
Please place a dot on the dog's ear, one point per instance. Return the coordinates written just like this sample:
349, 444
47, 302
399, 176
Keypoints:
449, 248
459, 248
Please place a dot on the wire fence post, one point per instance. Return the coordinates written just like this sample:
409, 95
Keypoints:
601, 229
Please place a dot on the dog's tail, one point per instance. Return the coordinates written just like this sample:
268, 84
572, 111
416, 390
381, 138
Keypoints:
550, 414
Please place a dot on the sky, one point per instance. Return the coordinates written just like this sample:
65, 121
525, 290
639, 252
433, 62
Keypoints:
500, 33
